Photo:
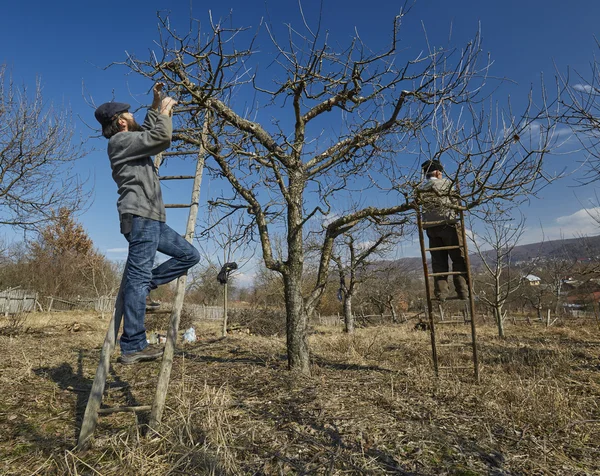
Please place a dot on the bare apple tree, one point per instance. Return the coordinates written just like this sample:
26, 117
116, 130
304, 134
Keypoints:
353, 254
302, 128
37, 152
494, 246
227, 235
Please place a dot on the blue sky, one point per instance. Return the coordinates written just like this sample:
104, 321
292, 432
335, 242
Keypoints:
68, 43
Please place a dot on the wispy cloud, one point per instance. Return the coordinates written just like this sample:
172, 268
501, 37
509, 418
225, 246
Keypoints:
585, 88
585, 221
244, 279
537, 131
364, 245
116, 250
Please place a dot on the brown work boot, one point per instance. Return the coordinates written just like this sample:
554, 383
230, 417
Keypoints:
151, 352
462, 294
440, 289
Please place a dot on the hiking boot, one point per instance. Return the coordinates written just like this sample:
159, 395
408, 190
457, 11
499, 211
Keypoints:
151, 352
152, 305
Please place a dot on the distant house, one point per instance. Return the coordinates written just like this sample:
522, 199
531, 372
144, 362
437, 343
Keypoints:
533, 280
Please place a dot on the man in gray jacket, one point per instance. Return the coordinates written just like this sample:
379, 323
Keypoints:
142, 214
440, 221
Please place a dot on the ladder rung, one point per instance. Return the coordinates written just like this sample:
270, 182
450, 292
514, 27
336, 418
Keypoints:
141, 408
447, 273
451, 298
443, 248
177, 205
176, 177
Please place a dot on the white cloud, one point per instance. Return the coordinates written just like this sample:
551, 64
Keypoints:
584, 88
364, 245
585, 221
116, 250
244, 279
534, 132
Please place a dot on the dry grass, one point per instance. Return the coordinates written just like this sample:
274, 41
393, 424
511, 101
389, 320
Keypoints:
371, 405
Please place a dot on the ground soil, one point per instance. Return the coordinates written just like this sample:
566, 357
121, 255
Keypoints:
370, 406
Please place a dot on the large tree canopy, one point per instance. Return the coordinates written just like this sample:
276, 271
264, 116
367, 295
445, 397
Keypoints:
314, 137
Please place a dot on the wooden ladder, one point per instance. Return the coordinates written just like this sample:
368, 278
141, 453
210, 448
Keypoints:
93, 410
469, 311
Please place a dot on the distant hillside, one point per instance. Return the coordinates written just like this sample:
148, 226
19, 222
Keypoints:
574, 248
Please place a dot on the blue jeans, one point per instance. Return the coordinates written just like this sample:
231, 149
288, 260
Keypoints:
145, 238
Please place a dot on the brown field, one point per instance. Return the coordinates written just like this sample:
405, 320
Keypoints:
371, 405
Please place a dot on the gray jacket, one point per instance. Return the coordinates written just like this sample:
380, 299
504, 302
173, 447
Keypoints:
133, 169
436, 205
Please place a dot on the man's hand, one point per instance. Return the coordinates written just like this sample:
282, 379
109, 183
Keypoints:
157, 90
167, 105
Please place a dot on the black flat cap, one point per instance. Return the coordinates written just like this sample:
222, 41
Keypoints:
431, 166
105, 113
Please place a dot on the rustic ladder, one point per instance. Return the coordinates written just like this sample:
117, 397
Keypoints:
93, 410
469, 306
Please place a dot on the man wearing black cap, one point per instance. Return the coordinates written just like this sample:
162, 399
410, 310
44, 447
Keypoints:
440, 221
142, 214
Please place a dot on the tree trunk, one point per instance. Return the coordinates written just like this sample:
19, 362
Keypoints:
296, 325
348, 317
393, 311
296, 312
225, 317
558, 290
499, 320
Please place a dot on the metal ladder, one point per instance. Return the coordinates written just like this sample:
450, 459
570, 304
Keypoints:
93, 410
469, 311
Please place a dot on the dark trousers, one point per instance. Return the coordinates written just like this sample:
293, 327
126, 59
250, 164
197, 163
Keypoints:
145, 238
447, 235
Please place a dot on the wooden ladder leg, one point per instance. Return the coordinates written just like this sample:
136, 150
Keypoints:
428, 294
167, 362
471, 301
90, 417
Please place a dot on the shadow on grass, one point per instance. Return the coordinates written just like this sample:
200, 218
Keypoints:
250, 359
321, 362
526, 356
75, 382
